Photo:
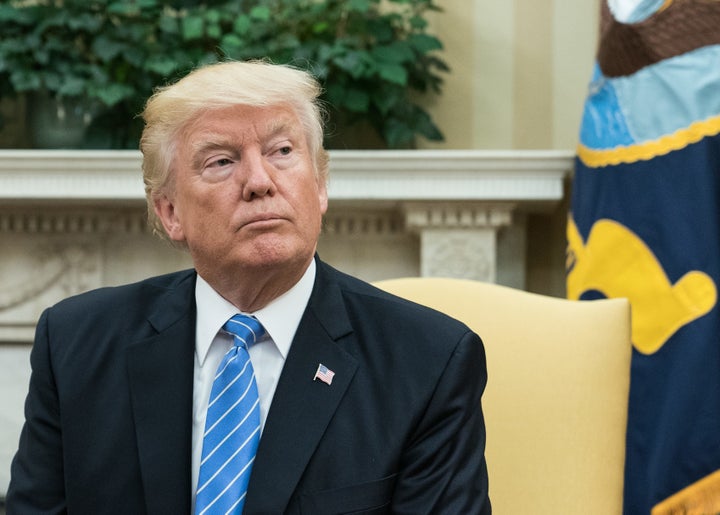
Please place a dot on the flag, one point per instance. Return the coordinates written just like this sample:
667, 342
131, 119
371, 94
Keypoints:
324, 374
645, 224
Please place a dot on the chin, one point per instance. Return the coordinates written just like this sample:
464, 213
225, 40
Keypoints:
268, 256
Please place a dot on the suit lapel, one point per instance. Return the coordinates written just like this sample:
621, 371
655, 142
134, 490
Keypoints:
302, 407
160, 371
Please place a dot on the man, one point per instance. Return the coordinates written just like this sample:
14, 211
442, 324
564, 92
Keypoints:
366, 403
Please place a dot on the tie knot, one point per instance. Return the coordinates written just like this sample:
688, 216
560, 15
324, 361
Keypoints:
245, 330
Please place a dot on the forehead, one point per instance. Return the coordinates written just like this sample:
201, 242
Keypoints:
241, 121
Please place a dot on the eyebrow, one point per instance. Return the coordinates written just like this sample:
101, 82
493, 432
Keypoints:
212, 141
209, 143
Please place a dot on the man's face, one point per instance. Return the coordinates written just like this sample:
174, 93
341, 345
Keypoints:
244, 194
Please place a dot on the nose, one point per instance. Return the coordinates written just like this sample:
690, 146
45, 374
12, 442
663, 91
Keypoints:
256, 176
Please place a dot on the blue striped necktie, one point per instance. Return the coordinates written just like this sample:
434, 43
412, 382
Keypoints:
232, 426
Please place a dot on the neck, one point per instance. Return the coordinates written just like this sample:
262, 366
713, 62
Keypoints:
252, 290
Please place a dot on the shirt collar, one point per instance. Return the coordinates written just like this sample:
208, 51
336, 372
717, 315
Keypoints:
280, 318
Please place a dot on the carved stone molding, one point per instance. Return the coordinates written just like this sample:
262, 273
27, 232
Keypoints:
458, 239
68, 269
444, 215
358, 222
49, 271
44, 220
459, 253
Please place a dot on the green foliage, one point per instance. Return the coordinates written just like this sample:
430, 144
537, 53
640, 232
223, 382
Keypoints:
372, 56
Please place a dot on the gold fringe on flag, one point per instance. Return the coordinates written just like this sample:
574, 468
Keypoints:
681, 138
700, 498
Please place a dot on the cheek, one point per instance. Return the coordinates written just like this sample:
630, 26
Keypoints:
311, 206
313, 196
205, 203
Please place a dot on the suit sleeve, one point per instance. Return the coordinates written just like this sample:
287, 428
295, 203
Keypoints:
443, 469
36, 475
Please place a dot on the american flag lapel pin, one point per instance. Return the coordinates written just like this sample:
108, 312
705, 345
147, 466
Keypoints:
324, 374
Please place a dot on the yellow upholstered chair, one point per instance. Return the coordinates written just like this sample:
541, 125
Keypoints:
557, 396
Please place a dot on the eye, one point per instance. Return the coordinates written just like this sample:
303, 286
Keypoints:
216, 168
223, 161
285, 151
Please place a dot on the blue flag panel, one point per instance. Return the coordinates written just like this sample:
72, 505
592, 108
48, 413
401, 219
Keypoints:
645, 224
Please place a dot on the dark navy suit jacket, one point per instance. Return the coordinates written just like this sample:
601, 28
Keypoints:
109, 410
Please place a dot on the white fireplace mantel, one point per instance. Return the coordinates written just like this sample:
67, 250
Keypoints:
71, 220
527, 177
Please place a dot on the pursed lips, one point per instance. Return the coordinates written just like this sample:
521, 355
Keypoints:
262, 219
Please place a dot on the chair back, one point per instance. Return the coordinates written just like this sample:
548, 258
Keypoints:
557, 396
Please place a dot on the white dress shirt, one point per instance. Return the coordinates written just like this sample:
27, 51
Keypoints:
280, 319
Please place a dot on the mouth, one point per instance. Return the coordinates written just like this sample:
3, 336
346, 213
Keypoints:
261, 221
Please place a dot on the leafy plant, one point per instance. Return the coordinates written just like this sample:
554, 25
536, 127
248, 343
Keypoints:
372, 56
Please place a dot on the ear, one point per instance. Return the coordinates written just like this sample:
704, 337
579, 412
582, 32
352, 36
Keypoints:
323, 196
168, 214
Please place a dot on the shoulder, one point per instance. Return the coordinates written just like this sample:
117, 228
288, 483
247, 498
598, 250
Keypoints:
376, 307
409, 345
126, 305
115, 296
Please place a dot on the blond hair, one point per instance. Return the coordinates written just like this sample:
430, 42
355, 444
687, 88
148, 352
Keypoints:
217, 86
